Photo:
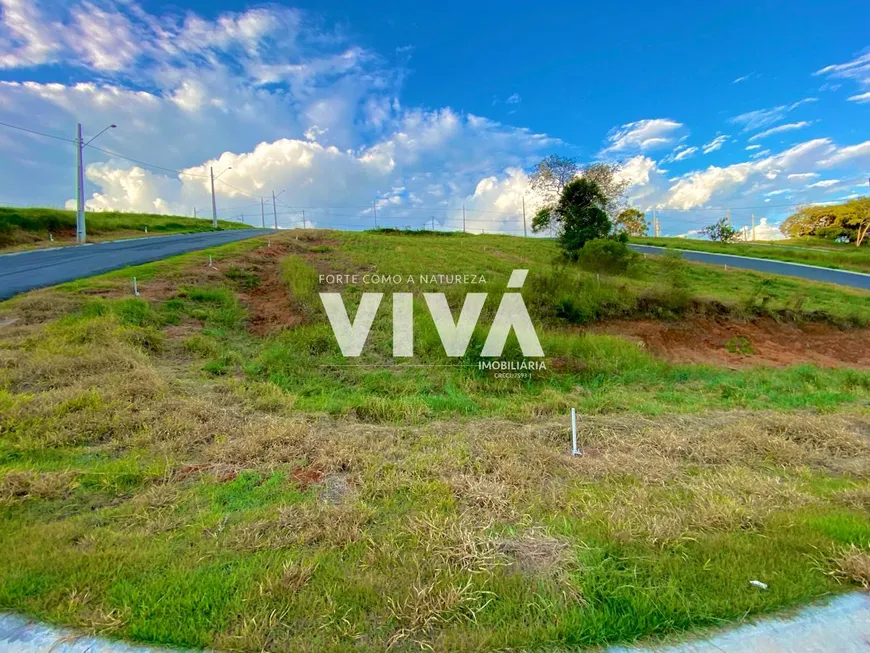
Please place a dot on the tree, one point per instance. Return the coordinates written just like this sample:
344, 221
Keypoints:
551, 175
554, 172
850, 219
631, 222
581, 214
721, 231
611, 183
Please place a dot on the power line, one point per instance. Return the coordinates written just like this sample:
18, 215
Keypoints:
33, 131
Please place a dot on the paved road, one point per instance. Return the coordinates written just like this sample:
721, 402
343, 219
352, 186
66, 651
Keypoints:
811, 272
25, 271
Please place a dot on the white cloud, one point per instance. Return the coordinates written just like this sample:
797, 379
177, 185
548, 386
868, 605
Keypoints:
743, 78
825, 183
749, 148
780, 129
753, 120
804, 175
643, 135
863, 97
680, 153
699, 187
857, 69
28, 38
766, 231
843, 155
716, 144
514, 99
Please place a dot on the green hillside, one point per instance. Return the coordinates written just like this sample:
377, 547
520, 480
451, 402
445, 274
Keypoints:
202, 467
25, 228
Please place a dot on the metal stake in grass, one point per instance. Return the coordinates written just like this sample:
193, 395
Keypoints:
135, 287
211, 262
574, 450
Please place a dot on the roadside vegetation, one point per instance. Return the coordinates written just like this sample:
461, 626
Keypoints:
201, 467
30, 228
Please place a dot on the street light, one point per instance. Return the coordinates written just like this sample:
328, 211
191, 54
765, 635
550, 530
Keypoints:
213, 204
81, 232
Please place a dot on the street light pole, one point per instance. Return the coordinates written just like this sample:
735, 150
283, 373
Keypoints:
81, 231
263, 212
274, 209
80, 189
213, 203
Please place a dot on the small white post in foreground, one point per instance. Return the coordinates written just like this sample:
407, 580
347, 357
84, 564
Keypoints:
135, 287
574, 450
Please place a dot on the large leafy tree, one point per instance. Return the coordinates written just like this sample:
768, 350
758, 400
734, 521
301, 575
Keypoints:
582, 215
631, 222
850, 219
553, 174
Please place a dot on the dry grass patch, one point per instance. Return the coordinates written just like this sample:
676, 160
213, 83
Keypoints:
853, 565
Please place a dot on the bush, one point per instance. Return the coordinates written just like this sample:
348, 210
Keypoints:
608, 255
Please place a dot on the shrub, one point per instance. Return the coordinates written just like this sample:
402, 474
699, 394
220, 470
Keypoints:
609, 255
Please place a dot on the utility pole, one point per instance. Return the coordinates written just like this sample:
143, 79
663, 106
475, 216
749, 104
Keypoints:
81, 232
263, 212
274, 209
728, 214
524, 217
303, 219
80, 189
375, 210
463, 218
753, 226
213, 203
194, 211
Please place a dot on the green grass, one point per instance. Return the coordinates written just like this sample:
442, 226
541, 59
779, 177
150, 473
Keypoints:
27, 228
808, 251
193, 483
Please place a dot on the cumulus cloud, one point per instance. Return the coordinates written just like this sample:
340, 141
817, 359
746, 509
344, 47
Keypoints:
764, 230
290, 104
698, 188
643, 135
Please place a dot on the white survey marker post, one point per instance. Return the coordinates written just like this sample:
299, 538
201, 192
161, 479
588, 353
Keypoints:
574, 450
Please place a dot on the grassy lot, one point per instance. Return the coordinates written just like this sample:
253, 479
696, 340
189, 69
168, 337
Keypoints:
201, 467
798, 250
30, 228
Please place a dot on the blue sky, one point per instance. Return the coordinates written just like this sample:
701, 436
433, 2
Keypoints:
425, 108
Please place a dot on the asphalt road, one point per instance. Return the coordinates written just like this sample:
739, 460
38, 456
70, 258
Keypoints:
811, 272
23, 271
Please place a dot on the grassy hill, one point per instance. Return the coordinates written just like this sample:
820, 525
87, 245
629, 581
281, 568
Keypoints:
809, 251
202, 467
26, 228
